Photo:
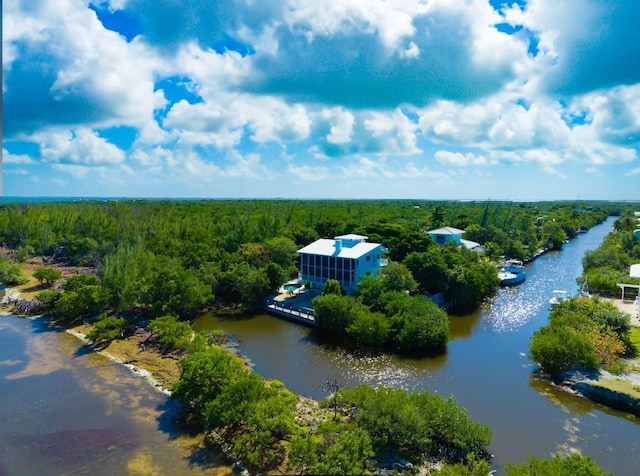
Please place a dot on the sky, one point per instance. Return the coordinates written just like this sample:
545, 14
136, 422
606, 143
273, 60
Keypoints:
433, 99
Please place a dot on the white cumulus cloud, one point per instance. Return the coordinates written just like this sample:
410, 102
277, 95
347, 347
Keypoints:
81, 146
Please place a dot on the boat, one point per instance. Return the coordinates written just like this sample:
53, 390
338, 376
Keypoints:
512, 272
584, 289
559, 296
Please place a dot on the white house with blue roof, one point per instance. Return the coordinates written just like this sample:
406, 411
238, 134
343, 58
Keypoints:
346, 259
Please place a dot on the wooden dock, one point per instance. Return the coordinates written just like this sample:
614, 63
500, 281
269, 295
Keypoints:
301, 314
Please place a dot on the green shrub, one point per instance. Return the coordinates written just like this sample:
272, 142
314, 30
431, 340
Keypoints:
172, 334
47, 276
11, 274
107, 328
420, 325
604, 280
48, 298
369, 328
557, 349
416, 423
24, 253
558, 466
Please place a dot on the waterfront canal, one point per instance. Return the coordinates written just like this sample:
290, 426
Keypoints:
486, 368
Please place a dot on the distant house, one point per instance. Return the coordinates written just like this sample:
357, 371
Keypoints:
346, 259
442, 236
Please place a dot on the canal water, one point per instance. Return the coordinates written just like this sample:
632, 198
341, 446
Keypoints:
64, 410
486, 369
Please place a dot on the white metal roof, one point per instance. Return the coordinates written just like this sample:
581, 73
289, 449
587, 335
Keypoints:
351, 237
326, 247
634, 272
470, 244
447, 230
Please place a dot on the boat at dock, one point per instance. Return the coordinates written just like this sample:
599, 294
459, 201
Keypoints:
511, 273
559, 296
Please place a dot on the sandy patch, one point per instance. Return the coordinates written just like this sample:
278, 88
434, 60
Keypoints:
628, 307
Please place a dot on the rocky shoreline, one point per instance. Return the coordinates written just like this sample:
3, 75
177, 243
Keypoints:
591, 386
610, 398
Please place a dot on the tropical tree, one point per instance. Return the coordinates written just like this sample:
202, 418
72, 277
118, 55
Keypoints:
557, 349
11, 274
429, 270
437, 217
172, 334
47, 276
107, 328
397, 277
331, 286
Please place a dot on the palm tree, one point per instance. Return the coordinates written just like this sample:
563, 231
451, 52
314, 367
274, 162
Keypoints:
437, 217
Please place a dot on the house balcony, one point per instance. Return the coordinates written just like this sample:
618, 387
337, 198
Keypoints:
382, 262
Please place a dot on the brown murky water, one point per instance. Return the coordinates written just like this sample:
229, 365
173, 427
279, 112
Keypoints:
486, 368
64, 410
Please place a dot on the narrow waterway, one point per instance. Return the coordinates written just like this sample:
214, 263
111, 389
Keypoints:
65, 410
486, 368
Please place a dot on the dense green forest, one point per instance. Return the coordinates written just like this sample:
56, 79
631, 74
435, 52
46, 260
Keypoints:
166, 261
180, 257
609, 264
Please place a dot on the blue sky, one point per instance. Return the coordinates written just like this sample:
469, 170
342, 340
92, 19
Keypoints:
438, 99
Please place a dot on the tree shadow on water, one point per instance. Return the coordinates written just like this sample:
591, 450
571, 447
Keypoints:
180, 424
83, 350
44, 325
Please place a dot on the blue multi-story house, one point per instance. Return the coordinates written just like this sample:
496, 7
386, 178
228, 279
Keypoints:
346, 259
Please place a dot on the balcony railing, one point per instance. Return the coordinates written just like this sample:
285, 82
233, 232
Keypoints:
383, 262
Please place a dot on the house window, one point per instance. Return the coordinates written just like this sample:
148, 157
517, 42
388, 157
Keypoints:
368, 258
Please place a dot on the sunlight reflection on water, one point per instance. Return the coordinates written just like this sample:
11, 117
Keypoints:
376, 369
510, 313
513, 307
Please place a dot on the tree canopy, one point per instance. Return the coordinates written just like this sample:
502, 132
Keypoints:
582, 333
181, 257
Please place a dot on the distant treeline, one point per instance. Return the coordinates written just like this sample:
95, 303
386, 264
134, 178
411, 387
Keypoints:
179, 257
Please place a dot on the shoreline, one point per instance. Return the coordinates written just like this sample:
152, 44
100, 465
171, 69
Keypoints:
134, 369
604, 389
585, 386
619, 392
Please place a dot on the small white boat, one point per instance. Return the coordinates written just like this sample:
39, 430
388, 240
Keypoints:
559, 296
584, 290
512, 272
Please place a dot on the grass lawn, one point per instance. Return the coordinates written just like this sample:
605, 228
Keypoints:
635, 338
621, 385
